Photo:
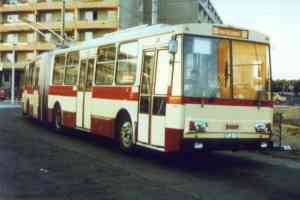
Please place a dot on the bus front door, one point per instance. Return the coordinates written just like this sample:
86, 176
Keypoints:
84, 94
155, 81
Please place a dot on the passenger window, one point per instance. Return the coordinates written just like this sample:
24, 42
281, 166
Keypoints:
127, 63
163, 72
36, 77
30, 74
90, 72
105, 65
59, 68
72, 68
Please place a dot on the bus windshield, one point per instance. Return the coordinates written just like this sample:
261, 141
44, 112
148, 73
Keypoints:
222, 68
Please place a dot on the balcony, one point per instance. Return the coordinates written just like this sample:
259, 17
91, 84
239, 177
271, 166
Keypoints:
40, 46
96, 4
15, 27
18, 65
19, 47
56, 26
44, 46
48, 6
22, 7
104, 24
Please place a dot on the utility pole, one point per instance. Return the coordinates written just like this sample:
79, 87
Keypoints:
63, 13
13, 74
155, 5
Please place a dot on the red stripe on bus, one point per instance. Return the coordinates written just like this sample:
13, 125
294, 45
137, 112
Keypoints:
173, 138
103, 126
69, 119
117, 93
29, 89
62, 90
225, 102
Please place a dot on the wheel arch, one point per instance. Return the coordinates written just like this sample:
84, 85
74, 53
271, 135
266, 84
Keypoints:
123, 113
57, 104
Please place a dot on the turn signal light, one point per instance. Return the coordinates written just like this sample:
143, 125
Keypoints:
199, 126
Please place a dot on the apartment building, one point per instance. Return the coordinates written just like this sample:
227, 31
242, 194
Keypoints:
84, 19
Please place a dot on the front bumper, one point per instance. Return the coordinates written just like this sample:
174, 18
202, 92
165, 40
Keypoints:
225, 144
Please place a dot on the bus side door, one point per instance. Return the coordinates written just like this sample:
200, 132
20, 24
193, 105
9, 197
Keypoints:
156, 73
84, 95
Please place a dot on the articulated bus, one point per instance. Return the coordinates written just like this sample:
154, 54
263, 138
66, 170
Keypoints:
170, 88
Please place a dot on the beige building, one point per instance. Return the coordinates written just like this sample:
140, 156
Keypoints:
84, 19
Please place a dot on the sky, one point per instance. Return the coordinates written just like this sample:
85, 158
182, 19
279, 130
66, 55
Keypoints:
280, 19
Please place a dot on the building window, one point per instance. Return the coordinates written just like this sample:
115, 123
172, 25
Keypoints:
90, 15
127, 63
72, 68
21, 57
88, 35
12, 18
69, 16
12, 38
30, 17
30, 37
11, 2
48, 17
30, 56
105, 65
8, 57
59, 68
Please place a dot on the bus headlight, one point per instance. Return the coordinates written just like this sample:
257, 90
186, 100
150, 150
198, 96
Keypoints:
198, 126
264, 145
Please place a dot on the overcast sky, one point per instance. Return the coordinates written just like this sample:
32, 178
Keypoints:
280, 19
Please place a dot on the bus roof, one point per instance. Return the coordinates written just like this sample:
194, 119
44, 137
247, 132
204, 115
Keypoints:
206, 30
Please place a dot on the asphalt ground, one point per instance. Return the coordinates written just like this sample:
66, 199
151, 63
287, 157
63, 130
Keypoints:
37, 163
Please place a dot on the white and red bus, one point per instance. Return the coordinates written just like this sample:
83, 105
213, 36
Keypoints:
168, 88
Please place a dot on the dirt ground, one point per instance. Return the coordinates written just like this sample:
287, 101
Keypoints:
290, 127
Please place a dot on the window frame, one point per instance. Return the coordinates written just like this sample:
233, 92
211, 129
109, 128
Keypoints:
230, 40
117, 62
73, 66
53, 70
114, 63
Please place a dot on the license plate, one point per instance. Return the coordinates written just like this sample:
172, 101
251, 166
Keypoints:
198, 145
232, 135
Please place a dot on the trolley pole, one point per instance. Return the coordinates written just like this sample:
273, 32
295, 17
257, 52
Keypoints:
63, 13
13, 74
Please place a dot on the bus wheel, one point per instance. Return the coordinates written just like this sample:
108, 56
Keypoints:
125, 131
57, 121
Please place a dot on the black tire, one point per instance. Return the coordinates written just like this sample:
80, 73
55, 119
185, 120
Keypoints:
125, 133
57, 119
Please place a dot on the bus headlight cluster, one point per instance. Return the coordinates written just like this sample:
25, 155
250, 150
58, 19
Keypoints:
262, 127
199, 126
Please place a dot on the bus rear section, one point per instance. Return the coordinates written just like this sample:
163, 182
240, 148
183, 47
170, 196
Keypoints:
226, 94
